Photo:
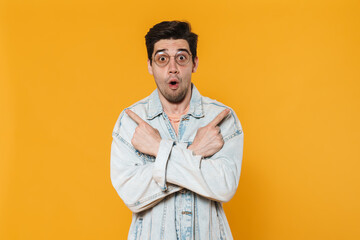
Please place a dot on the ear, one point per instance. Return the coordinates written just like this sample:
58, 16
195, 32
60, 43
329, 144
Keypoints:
149, 67
195, 64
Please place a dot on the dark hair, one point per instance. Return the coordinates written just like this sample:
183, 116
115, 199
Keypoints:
171, 30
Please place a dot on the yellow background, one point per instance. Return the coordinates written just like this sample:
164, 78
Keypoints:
290, 70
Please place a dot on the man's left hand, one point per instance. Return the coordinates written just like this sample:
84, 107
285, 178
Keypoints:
146, 139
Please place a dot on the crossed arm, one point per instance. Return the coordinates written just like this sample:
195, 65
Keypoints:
208, 139
215, 178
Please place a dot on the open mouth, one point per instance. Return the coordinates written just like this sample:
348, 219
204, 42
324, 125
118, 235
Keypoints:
174, 84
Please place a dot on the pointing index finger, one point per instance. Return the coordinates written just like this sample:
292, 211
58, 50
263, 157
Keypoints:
134, 116
219, 117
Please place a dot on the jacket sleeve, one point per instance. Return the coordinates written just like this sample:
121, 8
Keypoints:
216, 177
132, 172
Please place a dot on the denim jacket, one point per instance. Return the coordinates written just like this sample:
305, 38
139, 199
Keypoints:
177, 195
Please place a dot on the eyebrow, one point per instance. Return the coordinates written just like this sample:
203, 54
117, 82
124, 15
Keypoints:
179, 49
160, 50
183, 49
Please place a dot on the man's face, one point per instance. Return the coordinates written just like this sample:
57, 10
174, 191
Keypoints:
173, 80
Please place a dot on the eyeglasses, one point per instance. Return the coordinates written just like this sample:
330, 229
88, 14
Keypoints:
162, 58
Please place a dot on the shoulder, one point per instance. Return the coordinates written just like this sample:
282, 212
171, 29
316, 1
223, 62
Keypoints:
230, 126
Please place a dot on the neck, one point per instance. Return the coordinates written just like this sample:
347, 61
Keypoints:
176, 108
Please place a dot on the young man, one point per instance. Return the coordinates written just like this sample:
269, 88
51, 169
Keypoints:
176, 155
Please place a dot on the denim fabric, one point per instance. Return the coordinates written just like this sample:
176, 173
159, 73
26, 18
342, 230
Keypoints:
177, 195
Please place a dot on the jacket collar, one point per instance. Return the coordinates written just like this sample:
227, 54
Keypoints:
155, 108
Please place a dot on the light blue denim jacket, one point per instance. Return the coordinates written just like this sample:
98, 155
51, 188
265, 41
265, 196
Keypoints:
177, 195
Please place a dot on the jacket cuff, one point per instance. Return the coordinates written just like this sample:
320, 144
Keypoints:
197, 158
159, 170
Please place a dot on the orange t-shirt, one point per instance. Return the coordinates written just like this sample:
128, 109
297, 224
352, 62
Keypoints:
175, 119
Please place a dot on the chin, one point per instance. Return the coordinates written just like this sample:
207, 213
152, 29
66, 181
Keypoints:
175, 98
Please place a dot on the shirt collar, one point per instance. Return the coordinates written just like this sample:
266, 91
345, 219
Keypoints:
155, 108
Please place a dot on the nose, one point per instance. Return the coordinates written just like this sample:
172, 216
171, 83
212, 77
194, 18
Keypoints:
173, 67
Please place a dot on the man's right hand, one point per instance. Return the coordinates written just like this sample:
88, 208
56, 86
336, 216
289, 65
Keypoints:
146, 139
208, 139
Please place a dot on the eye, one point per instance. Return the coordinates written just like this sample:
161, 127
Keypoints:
182, 57
162, 58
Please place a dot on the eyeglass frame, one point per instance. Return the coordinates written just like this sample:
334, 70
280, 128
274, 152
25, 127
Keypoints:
180, 50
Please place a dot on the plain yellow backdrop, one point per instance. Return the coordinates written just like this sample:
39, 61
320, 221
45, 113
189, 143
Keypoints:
290, 70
